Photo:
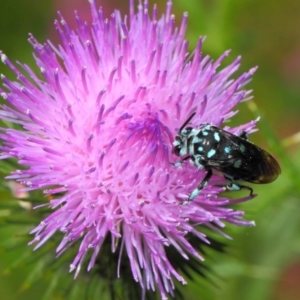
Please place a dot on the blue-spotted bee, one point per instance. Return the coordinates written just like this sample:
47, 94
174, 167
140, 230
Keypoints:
211, 148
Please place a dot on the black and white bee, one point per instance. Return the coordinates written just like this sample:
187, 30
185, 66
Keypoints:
211, 148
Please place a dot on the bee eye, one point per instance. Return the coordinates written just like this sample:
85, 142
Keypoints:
176, 150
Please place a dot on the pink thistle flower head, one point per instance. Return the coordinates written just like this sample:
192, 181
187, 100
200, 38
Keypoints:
98, 132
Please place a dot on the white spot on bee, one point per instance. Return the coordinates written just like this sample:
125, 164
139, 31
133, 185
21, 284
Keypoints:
235, 187
217, 136
183, 151
191, 149
176, 143
195, 132
200, 149
211, 153
237, 163
194, 194
197, 140
227, 150
205, 133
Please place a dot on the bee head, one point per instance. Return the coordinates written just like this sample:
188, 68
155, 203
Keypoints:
180, 143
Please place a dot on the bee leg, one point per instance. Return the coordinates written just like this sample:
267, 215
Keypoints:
180, 162
231, 186
198, 189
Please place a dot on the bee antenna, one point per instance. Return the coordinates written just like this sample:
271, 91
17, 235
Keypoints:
187, 121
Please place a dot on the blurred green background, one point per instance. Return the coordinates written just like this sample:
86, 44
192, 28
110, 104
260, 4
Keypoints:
261, 263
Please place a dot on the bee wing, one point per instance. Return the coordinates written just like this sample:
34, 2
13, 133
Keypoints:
257, 171
246, 161
268, 167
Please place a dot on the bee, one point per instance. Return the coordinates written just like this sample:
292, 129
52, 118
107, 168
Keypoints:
209, 148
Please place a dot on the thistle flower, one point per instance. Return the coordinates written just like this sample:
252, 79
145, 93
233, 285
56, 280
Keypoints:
97, 134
